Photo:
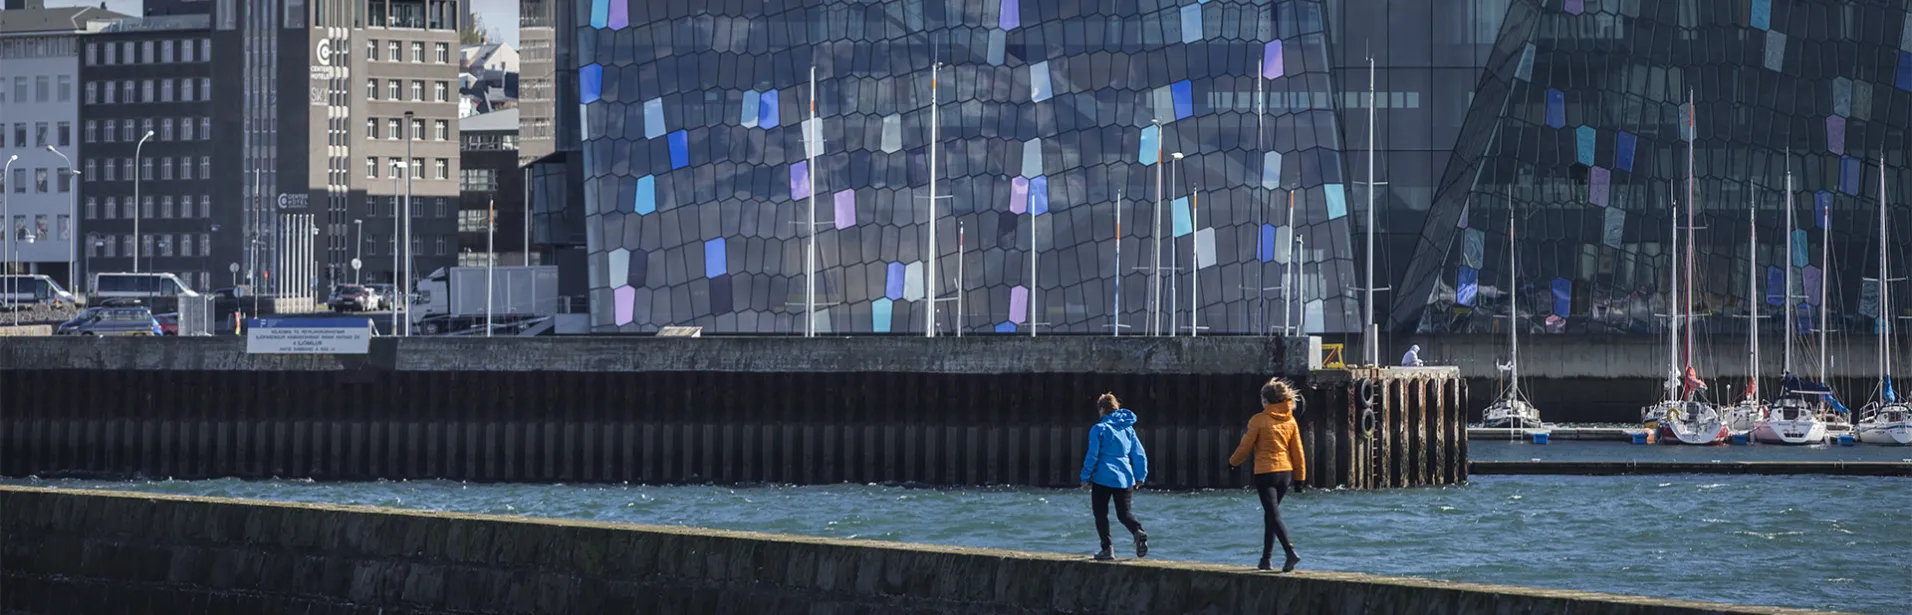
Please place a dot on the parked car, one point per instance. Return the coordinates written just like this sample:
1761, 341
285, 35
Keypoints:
111, 321
353, 297
168, 323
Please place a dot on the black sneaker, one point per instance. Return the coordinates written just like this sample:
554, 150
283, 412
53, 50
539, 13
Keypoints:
1293, 559
1141, 545
1264, 565
1105, 554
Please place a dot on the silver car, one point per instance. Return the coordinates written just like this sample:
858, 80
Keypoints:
102, 321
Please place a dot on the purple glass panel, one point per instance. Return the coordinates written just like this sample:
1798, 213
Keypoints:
1271, 66
1039, 195
1575, 7
1810, 276
1011, 15
800, 181
626, 298
1019, 195
845, 209
1598, 185
620, 14
1836, 134
1018, 304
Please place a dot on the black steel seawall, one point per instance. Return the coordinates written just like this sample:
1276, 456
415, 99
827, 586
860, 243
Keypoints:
943, 411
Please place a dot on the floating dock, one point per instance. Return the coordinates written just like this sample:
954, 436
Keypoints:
1631, 468
1604, 434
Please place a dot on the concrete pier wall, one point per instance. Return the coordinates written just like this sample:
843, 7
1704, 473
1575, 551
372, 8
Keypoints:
105, 552
947, 411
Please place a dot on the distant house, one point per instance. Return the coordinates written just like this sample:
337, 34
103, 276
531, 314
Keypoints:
490, 78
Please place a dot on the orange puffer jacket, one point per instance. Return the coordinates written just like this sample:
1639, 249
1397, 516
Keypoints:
1274, 440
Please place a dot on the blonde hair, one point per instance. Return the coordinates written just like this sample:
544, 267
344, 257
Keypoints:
1108, 403
1277, 391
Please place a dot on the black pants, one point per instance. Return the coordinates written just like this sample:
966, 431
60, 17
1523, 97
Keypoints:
1099, 496
1272, 487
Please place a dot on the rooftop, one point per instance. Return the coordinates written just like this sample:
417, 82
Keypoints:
65, 19
496, 121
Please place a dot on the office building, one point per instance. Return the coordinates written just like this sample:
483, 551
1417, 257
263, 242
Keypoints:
491, 191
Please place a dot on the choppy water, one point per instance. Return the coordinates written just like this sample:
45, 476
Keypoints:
1803, 541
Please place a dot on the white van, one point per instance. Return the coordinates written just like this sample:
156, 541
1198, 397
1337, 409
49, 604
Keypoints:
159, 291
33, 289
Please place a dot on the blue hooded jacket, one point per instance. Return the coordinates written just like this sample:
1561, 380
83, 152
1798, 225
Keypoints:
1115, 458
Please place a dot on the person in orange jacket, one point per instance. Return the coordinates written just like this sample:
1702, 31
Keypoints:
1273, 440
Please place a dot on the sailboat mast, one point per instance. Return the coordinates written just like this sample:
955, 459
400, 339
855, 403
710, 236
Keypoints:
1513, 304
1693, 137
1290, 273
1752, 291
1261, 269
1155, 237
1825, 269
1787, 319
810, 246
1885, 296
929, 284
1115, 323
1370, 337
1673, 294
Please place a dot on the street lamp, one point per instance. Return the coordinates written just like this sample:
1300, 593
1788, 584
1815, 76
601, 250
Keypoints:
6, 223
408, 214
1174, 254
358, 247
139, 209
73, 220
398, 288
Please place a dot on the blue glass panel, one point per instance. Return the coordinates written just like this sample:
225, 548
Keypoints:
1903, 80
748, 119
767, 111
1009, 15
880, 315
714, 259
1623, 151
1007, 327
1614, 227
1849, 175
590, 82
601, 13
1179, 211
1265, 248
1775, 286
1801, 248
1821, 208
1467, 286
680, 149
1271, 170
1563, 297
893, 281
1584, 139
1150, 144
1184, 98
1192, 23
654, 118
1556, 108
646, 194
1039, 82
1039, 195
800, 180
1337, 201
1762, 14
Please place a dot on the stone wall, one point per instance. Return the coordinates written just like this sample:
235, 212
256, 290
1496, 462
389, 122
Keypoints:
106, 552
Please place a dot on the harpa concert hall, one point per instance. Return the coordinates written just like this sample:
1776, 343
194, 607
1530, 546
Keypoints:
1178, 165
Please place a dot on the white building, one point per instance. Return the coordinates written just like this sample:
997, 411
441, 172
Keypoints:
39, 108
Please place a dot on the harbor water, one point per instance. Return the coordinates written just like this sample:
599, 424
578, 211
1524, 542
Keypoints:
1800, 541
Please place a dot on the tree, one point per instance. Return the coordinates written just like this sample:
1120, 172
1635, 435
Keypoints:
472, 33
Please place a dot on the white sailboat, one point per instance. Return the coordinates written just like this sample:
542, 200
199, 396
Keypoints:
1886, 420
1512, 410
1688, 419
1745, 416
1790, 419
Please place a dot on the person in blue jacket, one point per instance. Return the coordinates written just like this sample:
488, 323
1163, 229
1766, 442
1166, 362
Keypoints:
1114, 467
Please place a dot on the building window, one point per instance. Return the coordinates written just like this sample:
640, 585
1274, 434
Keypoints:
442, 90
110, 167
398, 168
166, 51
42, 90
166, 129
126, 130
418, 167
128, 94
205, 49
146, 52
146, 169
186, 51
395, 129
440, 241
418, 90
418, 130
165, 245
205, 249
92, 211
443, 168
185, 168
444, 53
112, 209
205, 88
371, 50
205, 128
166, 168
165, 90
39, 134
66, 179
392, 91
371, 89
92, 93
166, 205
39, 181
371, 167
205, 211
146, 207
109, 93
185, 90
90, 167
145, 127
64, 130
112, 54
93, 54
63, 86
186, 244
371, 128
186, 129
129, 212
441, 129
126, 53
205, 167
418, 52
126, 169
391, 49
20, 134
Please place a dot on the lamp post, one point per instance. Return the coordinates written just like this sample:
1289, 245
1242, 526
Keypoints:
139, 208
358, 247
1174, 254
6, 221
73, 220
408, 214
398, 289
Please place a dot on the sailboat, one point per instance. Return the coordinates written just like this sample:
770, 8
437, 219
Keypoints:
1512, 410
1742, 418
1885, 421
1686, 418
1790, 419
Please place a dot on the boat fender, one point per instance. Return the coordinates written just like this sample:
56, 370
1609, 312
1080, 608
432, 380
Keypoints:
1367, 422
1364, 394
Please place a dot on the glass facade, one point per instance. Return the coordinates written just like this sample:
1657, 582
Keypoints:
697, 178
